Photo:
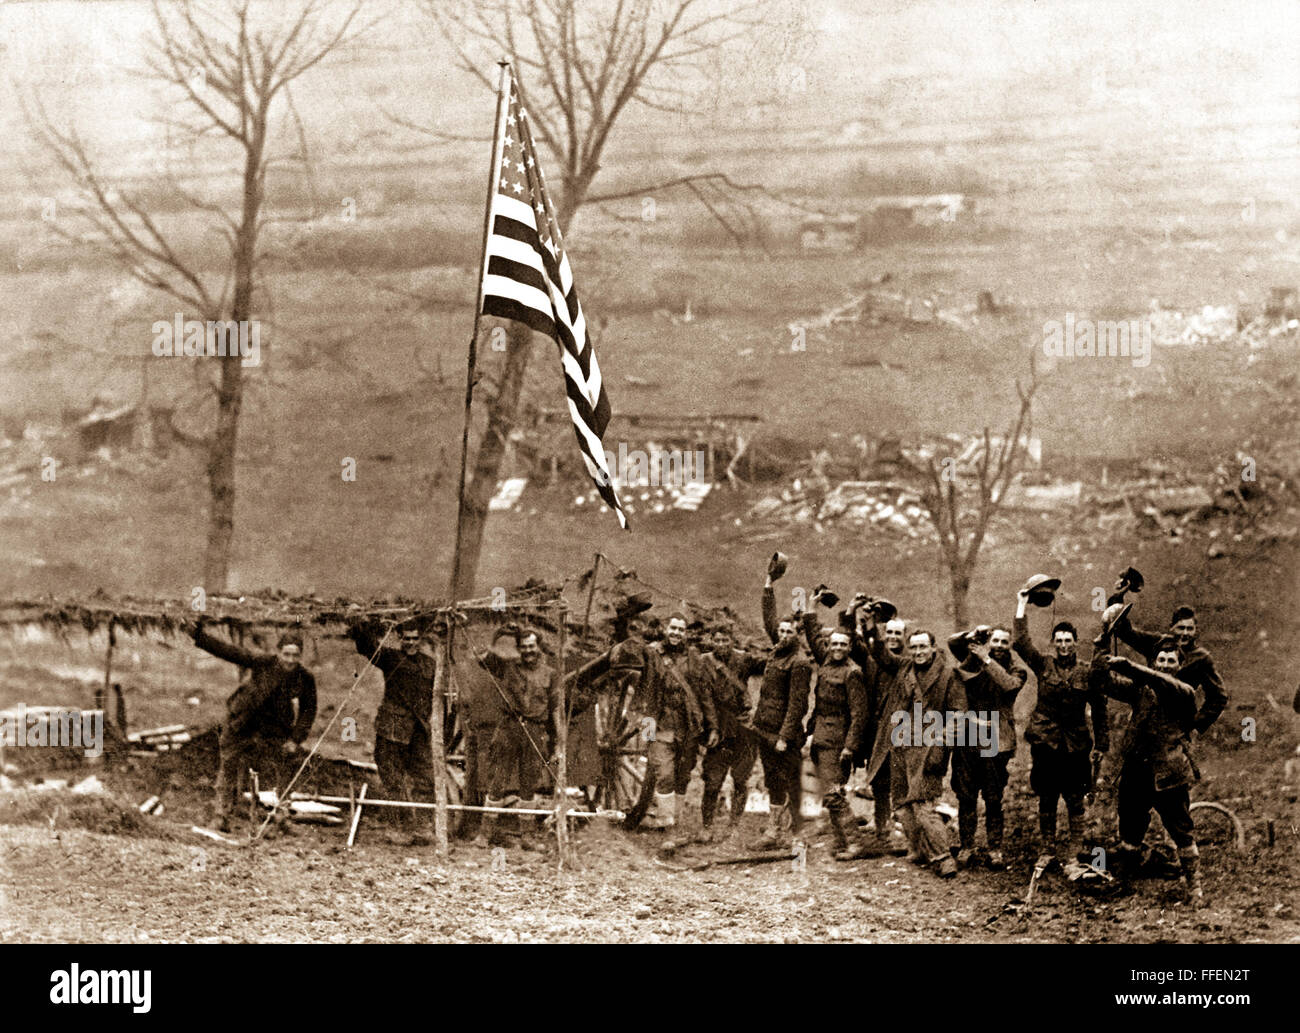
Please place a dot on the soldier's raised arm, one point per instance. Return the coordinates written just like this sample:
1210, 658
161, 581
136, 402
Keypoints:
775, 569
1216, 696
812, 631
228, 651
1021, 642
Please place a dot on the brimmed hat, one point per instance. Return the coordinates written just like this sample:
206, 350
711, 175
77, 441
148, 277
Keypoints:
776, 566
827, 598
1042, 589
883, 609
1113, 614
1133, 578
631, 605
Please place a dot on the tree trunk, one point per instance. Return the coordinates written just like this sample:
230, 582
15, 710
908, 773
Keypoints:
481, 483
230, 396
960, 589
221, 476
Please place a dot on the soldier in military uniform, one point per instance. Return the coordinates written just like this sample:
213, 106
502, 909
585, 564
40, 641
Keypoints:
778, 718
861, 619
839, 720
992, 678
1195, 665
920, 681
260, 727
685, 720
735, 751
403, 728
1060, 745
519, 746
1155, 769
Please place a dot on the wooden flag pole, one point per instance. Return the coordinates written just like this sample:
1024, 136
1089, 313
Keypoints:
591, 595
440, 678
471, 372
562, 748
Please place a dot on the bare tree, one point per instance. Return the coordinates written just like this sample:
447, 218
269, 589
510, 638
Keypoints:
229, 68
582, 64
960, 507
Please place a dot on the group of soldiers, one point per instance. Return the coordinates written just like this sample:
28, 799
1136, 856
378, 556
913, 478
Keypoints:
864, 691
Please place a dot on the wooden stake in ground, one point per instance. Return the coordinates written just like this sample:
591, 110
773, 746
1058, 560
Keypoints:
356, 815
108, 668
439, 757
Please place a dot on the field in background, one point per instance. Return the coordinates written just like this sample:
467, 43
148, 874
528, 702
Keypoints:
1095, 185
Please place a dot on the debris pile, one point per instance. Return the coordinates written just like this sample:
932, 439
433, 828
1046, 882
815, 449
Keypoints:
1218, 324
891, 507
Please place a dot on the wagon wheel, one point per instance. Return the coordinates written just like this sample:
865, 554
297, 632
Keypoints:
627, 784
1215, 826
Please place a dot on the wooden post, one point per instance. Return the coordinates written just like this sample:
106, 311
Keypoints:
108, 666
562, 748
439, 757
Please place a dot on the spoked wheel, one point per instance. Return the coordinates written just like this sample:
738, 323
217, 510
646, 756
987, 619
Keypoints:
1216, 827
627, 784
453, 749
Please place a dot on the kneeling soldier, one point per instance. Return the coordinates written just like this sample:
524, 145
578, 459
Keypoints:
260, 725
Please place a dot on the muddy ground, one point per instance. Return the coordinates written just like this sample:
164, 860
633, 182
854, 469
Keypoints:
151, 879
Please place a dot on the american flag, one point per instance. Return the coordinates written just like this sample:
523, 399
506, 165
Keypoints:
527, 278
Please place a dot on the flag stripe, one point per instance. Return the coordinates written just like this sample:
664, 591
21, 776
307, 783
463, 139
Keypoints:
527, 278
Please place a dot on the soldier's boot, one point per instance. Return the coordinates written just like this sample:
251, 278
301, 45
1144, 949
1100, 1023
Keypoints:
530, 832
708, 805
993, 829
849, 845
666, 813
739, 797
1074, 847
835, 807
884, 817
682, 818
506, 831
911, 832
1047, 833
1189, 858
491, 829
773, 831
967, 819
1127, 858
794, 810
